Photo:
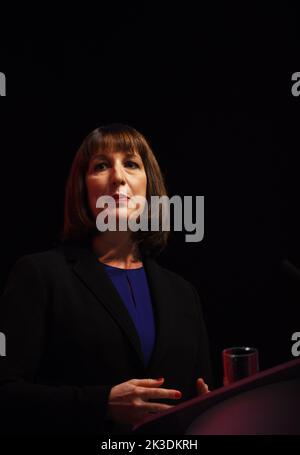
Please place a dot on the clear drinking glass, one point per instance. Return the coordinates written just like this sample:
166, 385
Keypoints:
238, 363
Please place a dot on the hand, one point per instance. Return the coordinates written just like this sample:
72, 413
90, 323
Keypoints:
201, 387
128, 401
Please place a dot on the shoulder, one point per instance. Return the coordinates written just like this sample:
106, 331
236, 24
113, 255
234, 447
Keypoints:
174, 280
175, 288
39, 264
42, 258
175, 277
53, 263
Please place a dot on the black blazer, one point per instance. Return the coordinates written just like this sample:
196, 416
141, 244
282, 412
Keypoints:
69, 339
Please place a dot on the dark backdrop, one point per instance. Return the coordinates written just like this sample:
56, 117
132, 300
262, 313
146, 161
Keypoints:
212, 93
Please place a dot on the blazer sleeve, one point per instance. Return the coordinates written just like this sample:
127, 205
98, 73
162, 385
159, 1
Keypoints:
27, 407
203, 367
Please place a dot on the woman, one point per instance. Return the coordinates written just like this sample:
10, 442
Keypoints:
98, 334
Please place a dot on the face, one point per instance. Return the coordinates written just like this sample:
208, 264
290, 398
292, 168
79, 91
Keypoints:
111, 173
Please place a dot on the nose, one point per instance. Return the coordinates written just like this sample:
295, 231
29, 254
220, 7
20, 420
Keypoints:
117, 176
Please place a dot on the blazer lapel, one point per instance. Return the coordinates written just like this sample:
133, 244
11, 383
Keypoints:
162, 298
92, 273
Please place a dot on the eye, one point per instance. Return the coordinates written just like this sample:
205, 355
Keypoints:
132, 164
100, 166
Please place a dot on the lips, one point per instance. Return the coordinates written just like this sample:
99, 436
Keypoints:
120, 197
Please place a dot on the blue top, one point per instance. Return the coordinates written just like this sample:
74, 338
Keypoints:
133, 288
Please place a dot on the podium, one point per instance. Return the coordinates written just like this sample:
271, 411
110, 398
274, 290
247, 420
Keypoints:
265, 403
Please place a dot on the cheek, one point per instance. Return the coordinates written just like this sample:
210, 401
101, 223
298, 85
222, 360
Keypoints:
143, 185
95, 189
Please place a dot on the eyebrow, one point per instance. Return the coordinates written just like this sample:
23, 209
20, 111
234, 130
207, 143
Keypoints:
104, 156
99, 156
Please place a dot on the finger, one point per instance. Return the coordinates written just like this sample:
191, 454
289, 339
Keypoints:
147, 394
155, 407
202, 387
147, 382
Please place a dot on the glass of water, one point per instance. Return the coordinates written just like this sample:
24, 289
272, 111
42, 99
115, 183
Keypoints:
238, 363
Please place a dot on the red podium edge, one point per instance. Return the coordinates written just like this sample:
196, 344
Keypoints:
181, 415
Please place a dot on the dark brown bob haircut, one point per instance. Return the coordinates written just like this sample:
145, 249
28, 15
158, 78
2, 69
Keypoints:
79, 224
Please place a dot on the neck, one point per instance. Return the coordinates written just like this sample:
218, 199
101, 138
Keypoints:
117, 249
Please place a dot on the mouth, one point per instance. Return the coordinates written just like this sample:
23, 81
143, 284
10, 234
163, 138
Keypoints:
120, 197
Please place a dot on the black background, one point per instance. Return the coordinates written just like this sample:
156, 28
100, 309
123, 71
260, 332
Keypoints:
211, 91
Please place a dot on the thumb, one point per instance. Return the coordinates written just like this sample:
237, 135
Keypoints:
201, 386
